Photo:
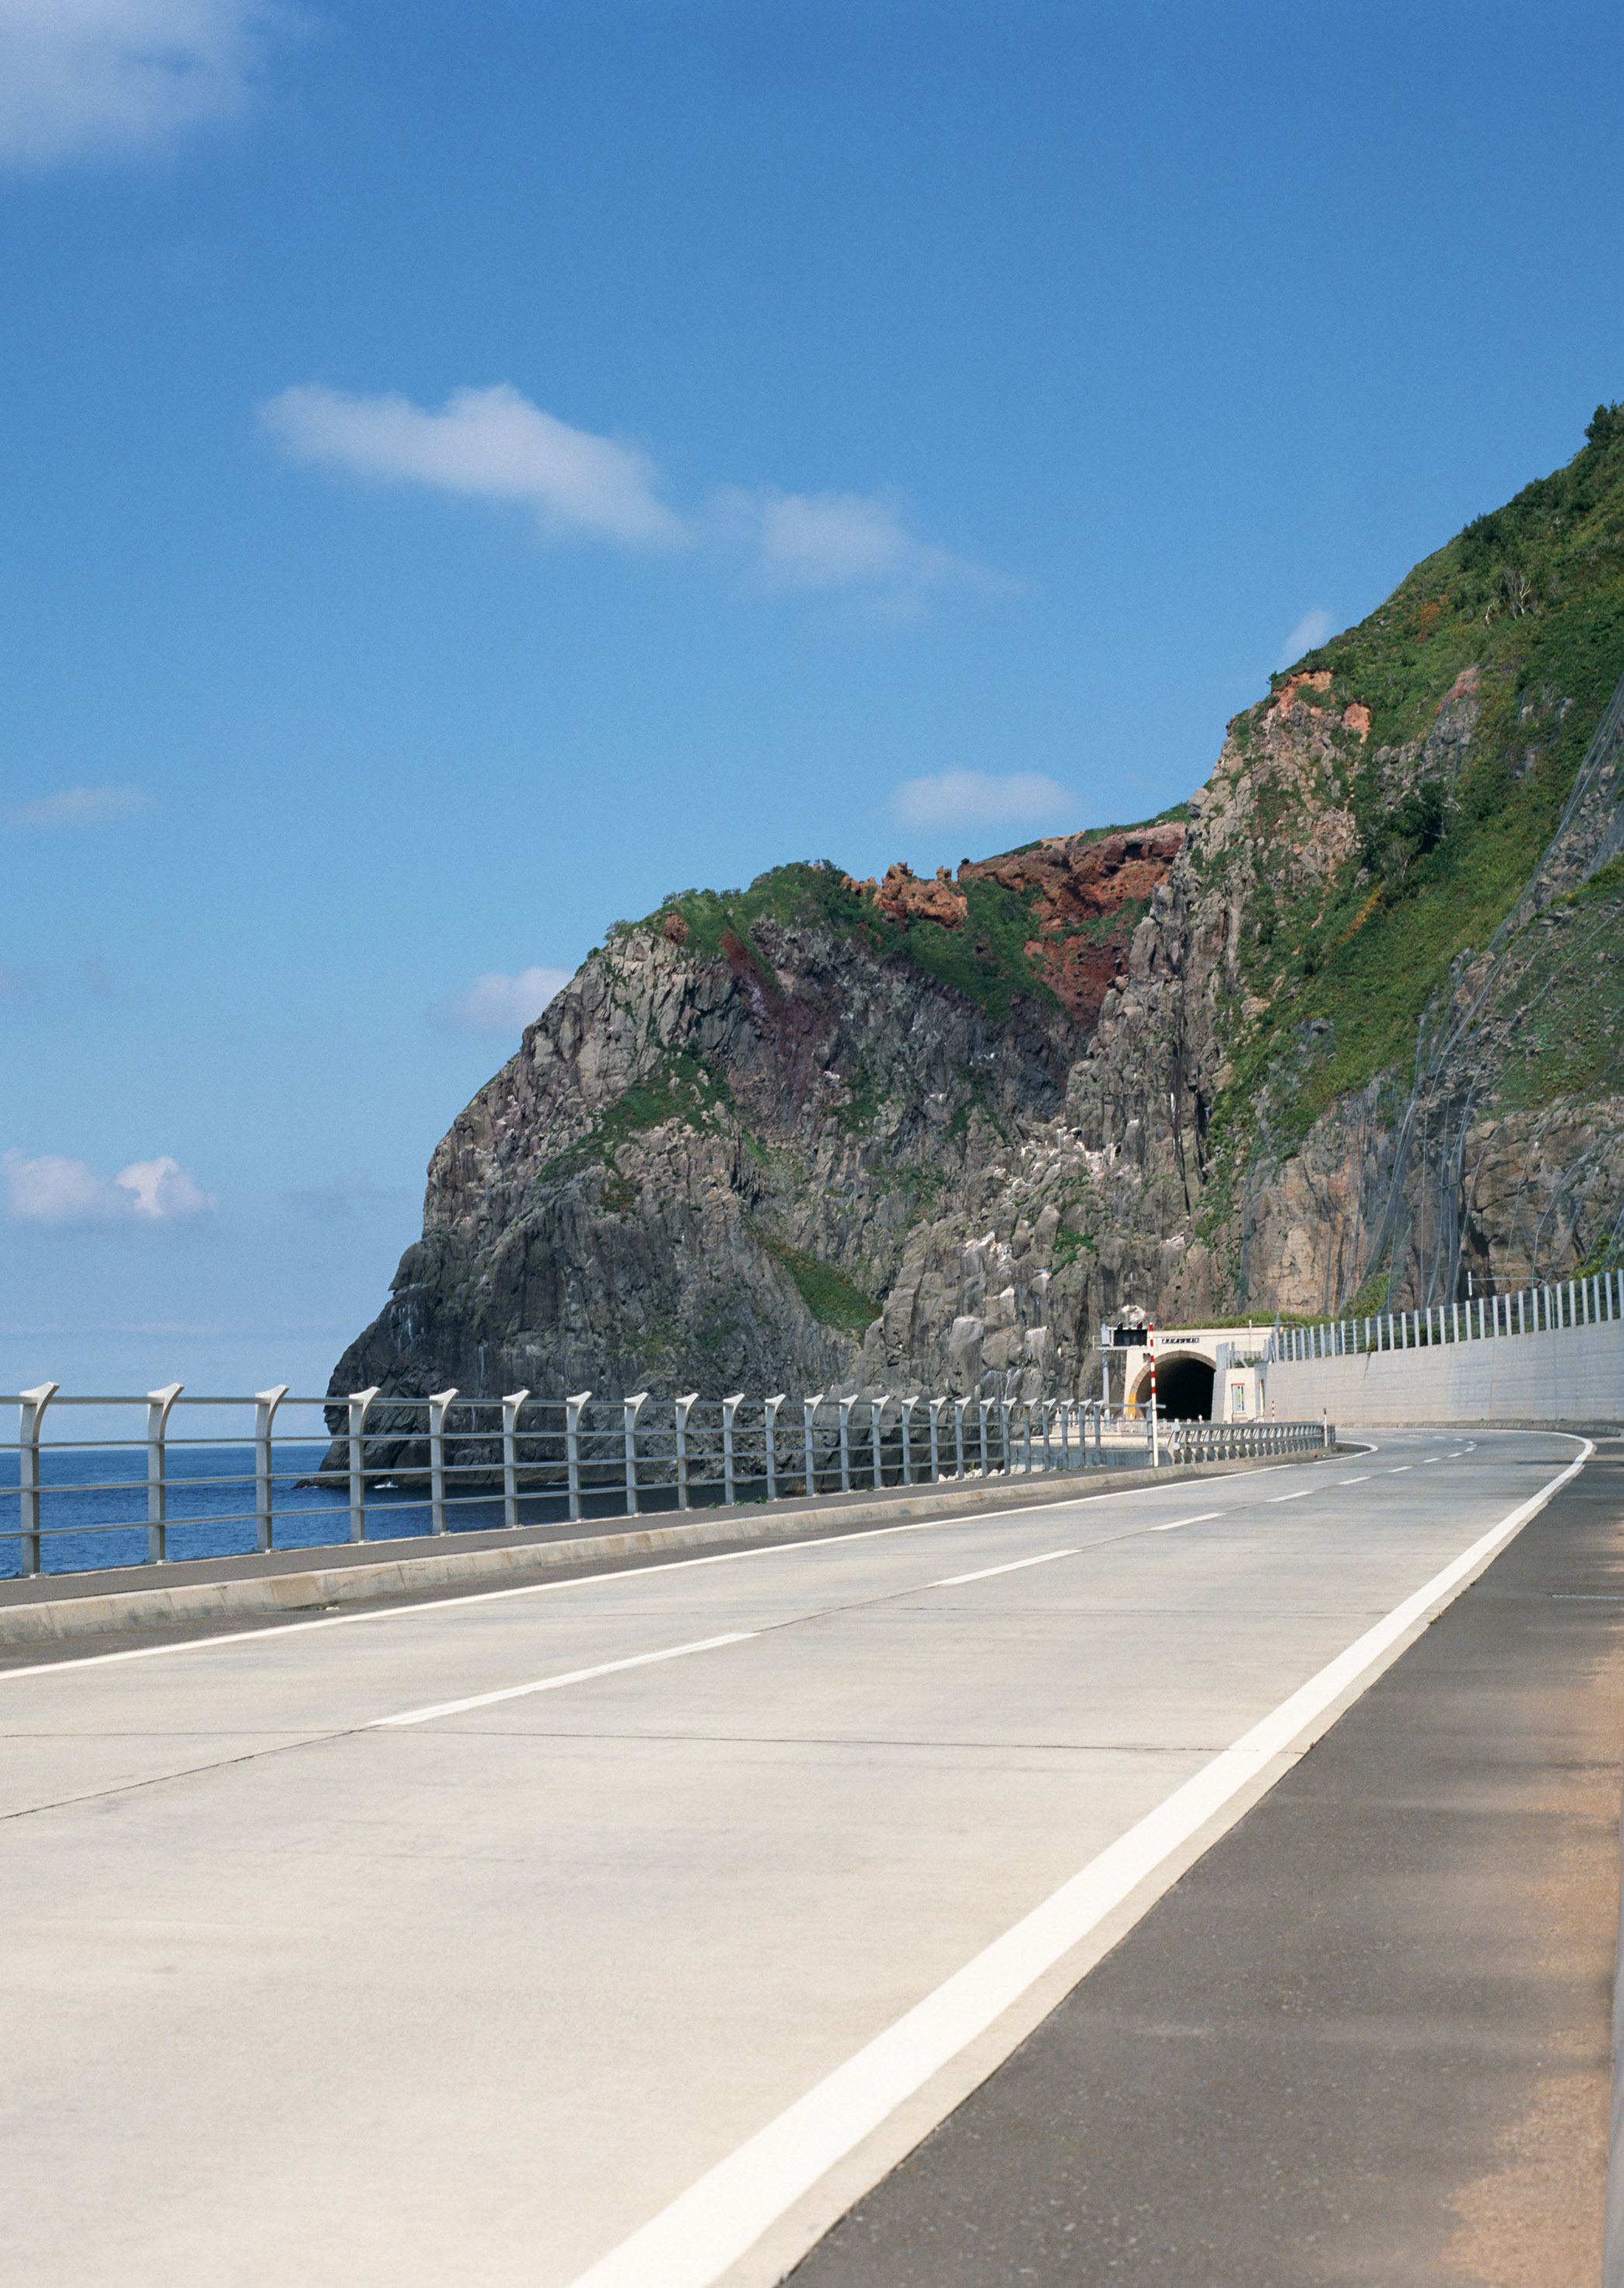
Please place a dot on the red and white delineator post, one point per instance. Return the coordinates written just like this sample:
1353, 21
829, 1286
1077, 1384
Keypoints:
1155, 1438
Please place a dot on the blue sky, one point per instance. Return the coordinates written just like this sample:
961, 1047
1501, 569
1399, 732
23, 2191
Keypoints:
468, 472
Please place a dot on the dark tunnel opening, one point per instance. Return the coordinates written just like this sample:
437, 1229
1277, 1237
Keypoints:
1183, 1389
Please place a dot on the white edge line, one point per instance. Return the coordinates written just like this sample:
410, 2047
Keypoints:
1201, 1518
1017, 1565
711, 2225
474, 1598
553, 1683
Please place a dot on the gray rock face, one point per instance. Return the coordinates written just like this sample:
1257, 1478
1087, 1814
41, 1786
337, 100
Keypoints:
684, 1151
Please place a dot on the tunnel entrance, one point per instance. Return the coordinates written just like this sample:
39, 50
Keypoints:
1183, 1388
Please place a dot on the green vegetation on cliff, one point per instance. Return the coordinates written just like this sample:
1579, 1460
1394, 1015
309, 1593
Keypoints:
985, 958
1521, 616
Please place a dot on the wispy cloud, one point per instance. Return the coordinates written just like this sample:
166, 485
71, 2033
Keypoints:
80, 78
494, 445
63, 1194
341, 1197
975, 798
494, 1004
81, 805
825, 541
1310, 632
491, 443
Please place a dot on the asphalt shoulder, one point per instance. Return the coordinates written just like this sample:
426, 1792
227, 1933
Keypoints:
1366, 2039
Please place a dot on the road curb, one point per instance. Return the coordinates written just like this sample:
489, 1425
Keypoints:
260, 1595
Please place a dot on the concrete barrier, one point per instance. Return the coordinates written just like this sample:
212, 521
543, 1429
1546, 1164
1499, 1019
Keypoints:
45, 1609
1567, 1375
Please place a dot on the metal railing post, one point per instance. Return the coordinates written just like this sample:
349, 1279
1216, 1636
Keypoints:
265, 1403
439, 1401
809, 1408
634, 1407
361, 1406
936, 1405
846, 1405
31, 1413
958, 1434
770, 1441
683, 1405
573, 1409
511, 1405
730, 1407
158, 1405
877, 1418
908, 1405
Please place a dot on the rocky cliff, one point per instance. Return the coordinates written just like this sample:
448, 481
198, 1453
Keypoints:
1342, 1032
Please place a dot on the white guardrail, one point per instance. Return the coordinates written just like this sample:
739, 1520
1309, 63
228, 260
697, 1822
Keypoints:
237, 1478
1594, 1301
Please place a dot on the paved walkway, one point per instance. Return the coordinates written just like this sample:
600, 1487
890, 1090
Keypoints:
625, 1929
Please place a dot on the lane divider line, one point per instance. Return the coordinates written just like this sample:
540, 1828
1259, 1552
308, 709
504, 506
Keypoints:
1174, 1523
1365, 1481
1018, 1565
472, 1600
689, 2243
1273, 1498
554, 1683
1402, 1467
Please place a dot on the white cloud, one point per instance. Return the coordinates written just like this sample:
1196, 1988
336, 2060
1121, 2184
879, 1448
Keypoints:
494, 1004
492, 443
1310, 632
974, 798
81, 805
81, 76
62, 1193
163, 1191
844, 540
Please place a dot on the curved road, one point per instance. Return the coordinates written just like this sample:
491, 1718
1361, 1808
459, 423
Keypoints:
626, 1930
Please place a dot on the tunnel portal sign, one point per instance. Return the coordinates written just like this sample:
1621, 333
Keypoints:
1123, 1338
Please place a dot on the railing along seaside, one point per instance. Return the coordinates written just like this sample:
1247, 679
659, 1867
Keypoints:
221, 1476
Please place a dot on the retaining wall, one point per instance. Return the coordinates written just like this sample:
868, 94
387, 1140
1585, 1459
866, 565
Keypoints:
1568, 1374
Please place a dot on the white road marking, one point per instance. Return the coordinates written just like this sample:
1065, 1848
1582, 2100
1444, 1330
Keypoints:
473, 1598
1430, 1458
690, 2244
1296, 1497
1402, 1467
553, 1683
1175, 1522
1365, 1481
1017, 1565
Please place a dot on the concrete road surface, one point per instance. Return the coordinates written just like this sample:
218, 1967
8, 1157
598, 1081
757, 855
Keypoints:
625, 1930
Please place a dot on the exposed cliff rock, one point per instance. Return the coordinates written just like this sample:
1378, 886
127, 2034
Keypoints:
1343, 1032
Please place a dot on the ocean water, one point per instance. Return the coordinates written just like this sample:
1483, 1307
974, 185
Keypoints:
93, 1505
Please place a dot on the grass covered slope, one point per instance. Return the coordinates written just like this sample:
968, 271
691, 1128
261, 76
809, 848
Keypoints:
1449, 726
